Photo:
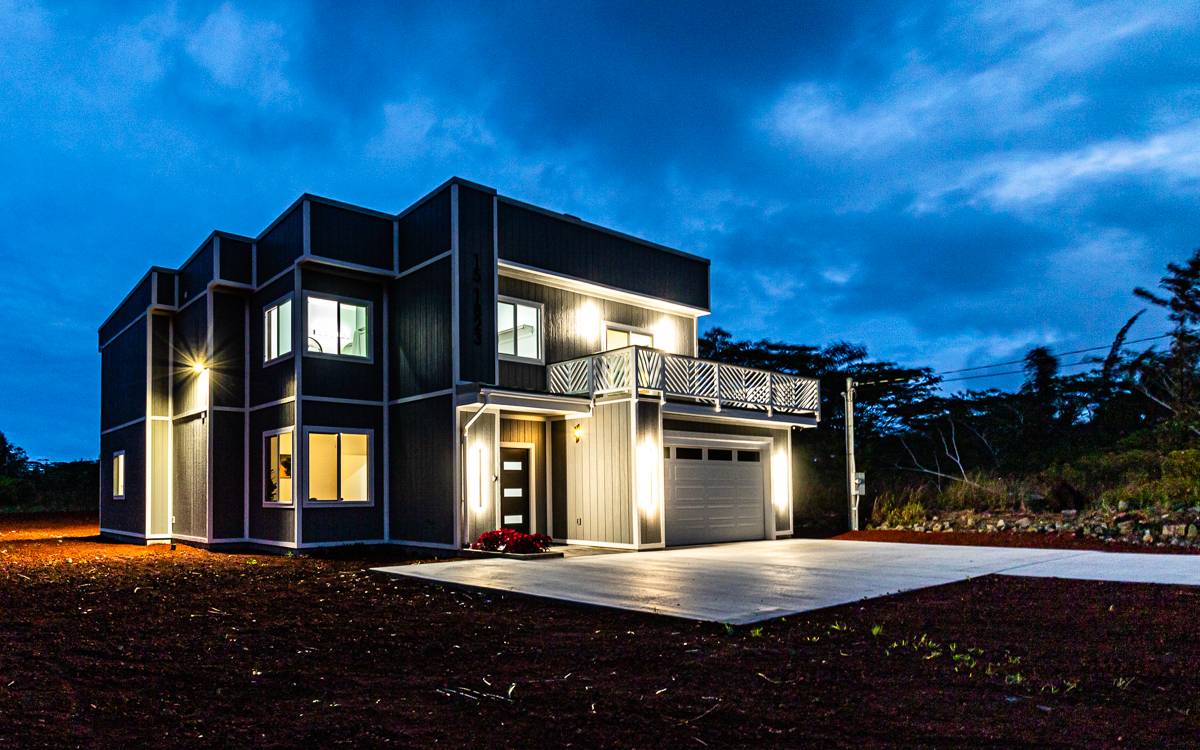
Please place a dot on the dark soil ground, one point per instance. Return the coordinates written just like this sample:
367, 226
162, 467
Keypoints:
107, 645
1052, 540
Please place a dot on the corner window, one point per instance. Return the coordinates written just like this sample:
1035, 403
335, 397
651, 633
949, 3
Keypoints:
338, 328
118, 475
277, 334
277, 468
619, 337
519, 327
339, 466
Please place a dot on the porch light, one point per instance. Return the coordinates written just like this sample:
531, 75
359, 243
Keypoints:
577, 431
478, 480
199, 368
779, 484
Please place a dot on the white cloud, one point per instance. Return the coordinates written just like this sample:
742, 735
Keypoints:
416, 129
1013, 181
241, 53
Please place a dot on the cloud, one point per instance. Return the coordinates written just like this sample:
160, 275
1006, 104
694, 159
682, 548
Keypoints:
242, 54
416, 129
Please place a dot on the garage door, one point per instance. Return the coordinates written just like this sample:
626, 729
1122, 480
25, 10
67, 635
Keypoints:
714, 494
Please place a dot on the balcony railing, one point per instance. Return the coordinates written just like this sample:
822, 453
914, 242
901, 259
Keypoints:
636, 368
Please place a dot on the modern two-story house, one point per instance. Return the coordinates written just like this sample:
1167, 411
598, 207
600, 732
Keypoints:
471, 363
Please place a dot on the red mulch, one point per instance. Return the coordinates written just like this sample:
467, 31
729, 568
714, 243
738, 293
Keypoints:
1048, 540
190, 648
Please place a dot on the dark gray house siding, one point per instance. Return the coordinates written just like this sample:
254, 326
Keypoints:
360, 379
273, 523
280, 245
340, 523
477, 285
128, 514
350, 235
422, 467
424, 230
421, 330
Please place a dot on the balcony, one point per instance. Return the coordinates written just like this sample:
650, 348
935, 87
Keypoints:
636, 368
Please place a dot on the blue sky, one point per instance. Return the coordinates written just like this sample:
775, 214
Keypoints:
948, 185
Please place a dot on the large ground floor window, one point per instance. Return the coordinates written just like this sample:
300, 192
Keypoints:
339, 466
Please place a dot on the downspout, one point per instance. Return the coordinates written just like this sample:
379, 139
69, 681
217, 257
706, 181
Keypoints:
462, 450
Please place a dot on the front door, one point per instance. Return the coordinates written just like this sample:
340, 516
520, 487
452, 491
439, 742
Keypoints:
514, 489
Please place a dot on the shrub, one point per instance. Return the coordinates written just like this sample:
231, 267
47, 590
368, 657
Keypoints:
511, 540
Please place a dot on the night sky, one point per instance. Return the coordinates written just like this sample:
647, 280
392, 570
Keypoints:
948, 186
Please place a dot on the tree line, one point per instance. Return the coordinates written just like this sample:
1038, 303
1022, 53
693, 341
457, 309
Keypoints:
1125, 428
29, 485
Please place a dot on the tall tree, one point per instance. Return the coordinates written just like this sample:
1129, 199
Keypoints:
1171, 379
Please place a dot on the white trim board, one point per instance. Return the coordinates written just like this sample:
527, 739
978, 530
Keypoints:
512, 269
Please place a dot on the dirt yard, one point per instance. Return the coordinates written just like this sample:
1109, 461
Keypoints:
112, 645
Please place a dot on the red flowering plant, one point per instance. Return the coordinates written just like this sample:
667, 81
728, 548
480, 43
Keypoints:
511, 540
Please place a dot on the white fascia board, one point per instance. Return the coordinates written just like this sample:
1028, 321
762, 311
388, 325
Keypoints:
563, 281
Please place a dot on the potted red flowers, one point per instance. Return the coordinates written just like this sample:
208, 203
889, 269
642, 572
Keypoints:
513, 543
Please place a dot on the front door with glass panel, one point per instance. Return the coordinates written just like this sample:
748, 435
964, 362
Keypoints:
514, 489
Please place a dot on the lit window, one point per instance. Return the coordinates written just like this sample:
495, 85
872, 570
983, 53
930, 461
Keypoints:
277, 336
339, 467
277, 468
338, 328
519, 325
619, 338
118, 475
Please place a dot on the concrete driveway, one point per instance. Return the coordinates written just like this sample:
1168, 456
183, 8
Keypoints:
752, 581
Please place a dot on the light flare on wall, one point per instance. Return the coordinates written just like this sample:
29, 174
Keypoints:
649, 470
587, 322
779, 484
664, 335
477, 478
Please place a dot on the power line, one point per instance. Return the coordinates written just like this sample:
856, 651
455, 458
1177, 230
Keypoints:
1056, 354
1010, 372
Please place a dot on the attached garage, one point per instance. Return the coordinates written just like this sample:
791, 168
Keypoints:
716, 490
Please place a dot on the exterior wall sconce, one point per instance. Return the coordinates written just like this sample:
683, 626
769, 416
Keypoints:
199, 368
577, 431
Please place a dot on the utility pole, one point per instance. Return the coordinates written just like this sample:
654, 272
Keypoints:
851, 480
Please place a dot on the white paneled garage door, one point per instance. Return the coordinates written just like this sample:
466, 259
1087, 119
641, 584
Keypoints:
714, 494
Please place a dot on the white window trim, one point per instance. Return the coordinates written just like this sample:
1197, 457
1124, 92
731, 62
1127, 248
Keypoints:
329, 430
622, 327
266, 335
124, 472
370, 358
541, 311
274, 503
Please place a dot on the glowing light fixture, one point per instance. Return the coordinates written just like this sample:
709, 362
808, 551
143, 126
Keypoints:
587, 322
664, 335
779, 485
649, 467
199, 367
577, 431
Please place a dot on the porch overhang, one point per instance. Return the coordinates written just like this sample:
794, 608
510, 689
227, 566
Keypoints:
526, 401
705, 413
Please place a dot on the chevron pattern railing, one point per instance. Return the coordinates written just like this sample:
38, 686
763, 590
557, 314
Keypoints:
677, 375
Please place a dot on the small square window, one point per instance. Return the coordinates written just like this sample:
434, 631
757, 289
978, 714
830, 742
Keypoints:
337, 328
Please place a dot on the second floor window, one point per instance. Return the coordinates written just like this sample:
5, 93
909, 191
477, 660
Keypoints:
619, 338
519, 327
277, 336
338, 328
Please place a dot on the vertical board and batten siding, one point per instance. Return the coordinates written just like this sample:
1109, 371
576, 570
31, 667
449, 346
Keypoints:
599, 472
343, 377
481, 516
420, 328
227, 370
160, 365
780, 438
123, 377
533, 432
159, 455
277, 380
563, 338
280, 245
350, 235
343, 523
189, 487
558, 480
228, 466
270, 523
127, 514
477, 286
133, 306
423, 443
237, 259
648, 433
424, 230
165, 282
196, 273
562, 244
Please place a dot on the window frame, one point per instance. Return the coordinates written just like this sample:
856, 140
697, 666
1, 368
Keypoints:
608, 324
113, 479
541, 330
267, 362
339, 431
278, 503
370, 305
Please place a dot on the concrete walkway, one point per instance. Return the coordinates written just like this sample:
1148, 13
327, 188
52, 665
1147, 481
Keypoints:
752, 581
